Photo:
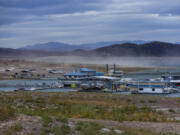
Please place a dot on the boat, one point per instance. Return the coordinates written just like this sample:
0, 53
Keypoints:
33, 89
59, 84
173, 79
91, 86
20, 90
151, 88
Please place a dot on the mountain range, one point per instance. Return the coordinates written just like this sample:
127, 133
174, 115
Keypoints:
149, 49
62, 47
156, 49
18, 53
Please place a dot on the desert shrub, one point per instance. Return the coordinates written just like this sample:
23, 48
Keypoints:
62, 118
132, 131
81, 105
6, 112
128, 100
65, 129
142, 101
13, 129
46, 120
88, 128
171, 111
152, 101
56, 130
16, 128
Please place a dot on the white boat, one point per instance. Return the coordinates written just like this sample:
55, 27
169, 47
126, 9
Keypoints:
151, 88
33, 89
60, 85
173, 79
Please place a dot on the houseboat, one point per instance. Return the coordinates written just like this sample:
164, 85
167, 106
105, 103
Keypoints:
151, 88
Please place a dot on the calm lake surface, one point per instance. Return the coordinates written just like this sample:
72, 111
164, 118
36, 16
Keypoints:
11, 85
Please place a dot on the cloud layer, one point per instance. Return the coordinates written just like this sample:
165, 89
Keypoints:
25, 22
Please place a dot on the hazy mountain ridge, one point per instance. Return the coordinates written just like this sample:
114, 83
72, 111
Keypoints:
51, 46
18, 53
152, 49
62, 47
157, 49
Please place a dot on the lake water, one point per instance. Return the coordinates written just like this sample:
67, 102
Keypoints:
11, 89
26, 82
11, 85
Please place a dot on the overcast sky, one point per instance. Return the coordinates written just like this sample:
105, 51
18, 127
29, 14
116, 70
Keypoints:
26, 22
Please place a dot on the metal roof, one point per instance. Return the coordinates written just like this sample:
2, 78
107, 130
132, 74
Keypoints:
106, 77
75, 74
99, 74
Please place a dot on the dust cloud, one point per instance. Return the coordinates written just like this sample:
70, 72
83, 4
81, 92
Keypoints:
121, 61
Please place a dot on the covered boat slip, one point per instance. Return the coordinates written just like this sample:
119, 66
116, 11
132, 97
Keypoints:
104, 83
94, 83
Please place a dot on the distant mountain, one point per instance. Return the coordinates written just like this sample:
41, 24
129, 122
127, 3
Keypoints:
17, 53
153, 49
51, 46
177, 43
104, 44
63, 47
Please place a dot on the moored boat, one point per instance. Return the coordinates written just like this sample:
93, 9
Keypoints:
151, 87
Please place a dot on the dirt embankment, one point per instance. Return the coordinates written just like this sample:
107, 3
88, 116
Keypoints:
34, 125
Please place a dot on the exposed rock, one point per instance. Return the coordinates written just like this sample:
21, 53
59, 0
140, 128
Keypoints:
177, 118
71, 125
30, 124
118, 131
155, 126
105, 130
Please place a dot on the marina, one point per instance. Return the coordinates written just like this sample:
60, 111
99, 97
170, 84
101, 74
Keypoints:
110, 79
94, 84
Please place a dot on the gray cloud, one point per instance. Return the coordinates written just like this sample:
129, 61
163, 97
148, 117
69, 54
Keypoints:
81, 21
